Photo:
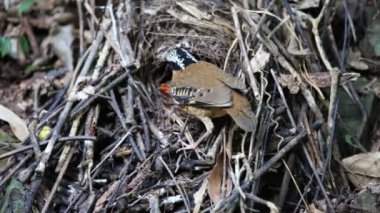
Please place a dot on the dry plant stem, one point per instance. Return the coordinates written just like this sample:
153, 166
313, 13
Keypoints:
350, 22
273, 208
109, 154
79, 65
141, 90
12, 172
90, 10
40, 170
31, 194
273, 49
66, 149
278, 26
181, 124
319, 181
117, 110
56, 131
124, 101
158, 134
91, 123
112, 36
122, 121
45, 120
144, 121
141, 145
284, 63
303, 35
129, 107
83, 105
349, 88
58, 180
262, 20
248, 168
81, 27
127, 56
236, 175
315, 22
334, 73
93, 53
154, 204
266, 31
252, 80
86, 205
306, 190
32, 134
282, 95
139, 47
11, 162
136, 149
233, 44
212, 152
104, 26
285, 182
259, 172
184, 196
103, 55
295, 184
42, 143
120, 185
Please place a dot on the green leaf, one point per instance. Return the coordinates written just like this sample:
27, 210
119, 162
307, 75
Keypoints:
5, 46
24, 44
25, 5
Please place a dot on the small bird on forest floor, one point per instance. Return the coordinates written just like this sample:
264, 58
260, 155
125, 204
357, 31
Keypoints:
205, 91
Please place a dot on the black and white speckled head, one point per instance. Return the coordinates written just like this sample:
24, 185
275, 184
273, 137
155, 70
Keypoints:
179, 58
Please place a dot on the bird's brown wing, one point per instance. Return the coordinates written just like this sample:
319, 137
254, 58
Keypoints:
206, 97
226, 78
197, 86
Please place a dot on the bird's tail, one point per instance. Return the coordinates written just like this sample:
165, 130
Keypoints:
241, 112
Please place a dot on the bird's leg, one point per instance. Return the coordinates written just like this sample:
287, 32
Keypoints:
209, 127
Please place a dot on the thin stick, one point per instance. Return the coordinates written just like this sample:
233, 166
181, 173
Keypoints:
249, 71
57, 181
259, 172
42, 143
14, 170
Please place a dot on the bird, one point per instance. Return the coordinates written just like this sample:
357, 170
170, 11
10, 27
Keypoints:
203, 90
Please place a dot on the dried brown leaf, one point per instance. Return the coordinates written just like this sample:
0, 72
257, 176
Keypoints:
364, 168
219, 183
290, 82
17, 124
260, 60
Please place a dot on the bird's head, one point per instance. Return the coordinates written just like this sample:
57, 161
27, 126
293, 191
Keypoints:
180, 58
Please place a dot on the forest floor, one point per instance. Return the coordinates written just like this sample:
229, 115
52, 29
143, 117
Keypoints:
89, 122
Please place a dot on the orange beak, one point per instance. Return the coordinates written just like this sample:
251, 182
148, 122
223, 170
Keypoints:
165, 88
